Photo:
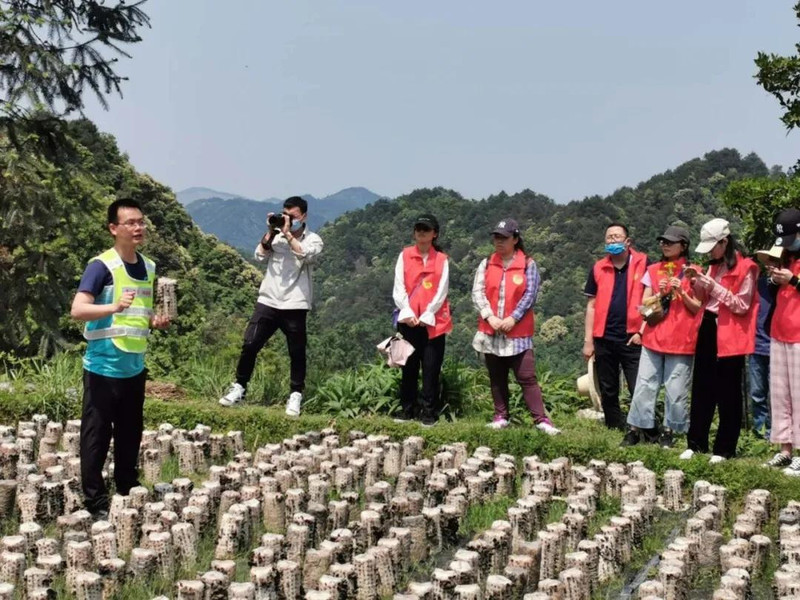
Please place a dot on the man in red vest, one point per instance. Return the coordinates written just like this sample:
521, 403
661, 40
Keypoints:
613, 331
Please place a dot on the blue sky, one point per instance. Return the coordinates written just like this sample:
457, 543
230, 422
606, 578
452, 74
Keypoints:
266, 98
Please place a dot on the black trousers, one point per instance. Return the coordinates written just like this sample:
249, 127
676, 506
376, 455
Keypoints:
609, 357
717, 383
263, 324
430, 355
111, 407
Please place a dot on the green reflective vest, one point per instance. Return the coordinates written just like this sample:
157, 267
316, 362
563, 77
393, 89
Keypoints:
129, 329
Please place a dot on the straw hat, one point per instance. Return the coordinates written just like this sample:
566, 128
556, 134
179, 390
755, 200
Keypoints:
588, 385
771, 256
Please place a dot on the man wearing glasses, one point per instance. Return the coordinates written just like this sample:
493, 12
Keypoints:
284, 299
115, 299
613, 329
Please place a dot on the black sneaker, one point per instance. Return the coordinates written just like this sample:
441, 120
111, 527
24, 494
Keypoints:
632, 437
666, 439
100, 515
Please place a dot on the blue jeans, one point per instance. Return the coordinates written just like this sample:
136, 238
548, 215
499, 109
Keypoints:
759, 393
674, 372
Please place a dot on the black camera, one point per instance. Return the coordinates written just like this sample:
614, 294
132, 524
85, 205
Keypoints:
276, 220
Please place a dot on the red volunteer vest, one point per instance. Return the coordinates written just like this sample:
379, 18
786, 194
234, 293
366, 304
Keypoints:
736, 334
677, 333
604, 276
515, 283
786, 318
424, 278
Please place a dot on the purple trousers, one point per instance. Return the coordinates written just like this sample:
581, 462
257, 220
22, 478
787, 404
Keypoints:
524, 367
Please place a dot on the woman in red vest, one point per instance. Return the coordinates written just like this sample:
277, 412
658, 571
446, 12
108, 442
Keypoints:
784, 349
421, 280
727, 334
667, 345
504, 292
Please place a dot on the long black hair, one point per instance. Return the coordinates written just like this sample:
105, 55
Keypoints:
729, 258
520, 244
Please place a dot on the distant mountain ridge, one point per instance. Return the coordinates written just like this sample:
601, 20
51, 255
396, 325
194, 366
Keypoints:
240, 221
192, 194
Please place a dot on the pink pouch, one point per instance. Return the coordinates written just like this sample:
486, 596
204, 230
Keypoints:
396, 349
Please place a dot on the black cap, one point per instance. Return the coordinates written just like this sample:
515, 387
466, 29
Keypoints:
674, 233
428, 220
787, 224
506, 228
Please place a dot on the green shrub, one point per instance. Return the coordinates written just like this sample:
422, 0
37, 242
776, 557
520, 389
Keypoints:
53, 387
366, 390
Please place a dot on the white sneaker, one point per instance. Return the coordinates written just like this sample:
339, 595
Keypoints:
548, 428
498, 423
716, 459
293, 404
793, 470
234, 395
686, 454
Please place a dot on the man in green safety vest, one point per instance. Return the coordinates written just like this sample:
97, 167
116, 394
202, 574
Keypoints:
115, 299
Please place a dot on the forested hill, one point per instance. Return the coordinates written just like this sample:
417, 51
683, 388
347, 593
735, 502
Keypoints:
354, 278
53, 220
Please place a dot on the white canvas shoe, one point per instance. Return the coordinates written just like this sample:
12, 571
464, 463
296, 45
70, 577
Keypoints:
686, 454
716, 459
293, 404
548, 428
234, 395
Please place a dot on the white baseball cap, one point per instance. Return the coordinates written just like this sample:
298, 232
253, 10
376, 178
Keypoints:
711, 233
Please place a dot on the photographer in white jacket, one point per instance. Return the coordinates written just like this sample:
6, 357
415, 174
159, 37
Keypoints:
284, 299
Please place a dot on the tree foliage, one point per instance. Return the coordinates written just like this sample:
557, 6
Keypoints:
53, 51
52, 221
780, 76
757, 202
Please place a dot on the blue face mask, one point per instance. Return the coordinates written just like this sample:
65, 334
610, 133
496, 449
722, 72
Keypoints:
296, 226
795, 245
615, 248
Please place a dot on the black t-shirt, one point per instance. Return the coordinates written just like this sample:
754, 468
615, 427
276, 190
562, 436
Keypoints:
617, 319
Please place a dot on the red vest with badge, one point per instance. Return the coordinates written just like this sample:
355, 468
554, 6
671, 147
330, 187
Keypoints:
736, 334
516, 282
786, 318
677, 333
604, 277
422, 282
